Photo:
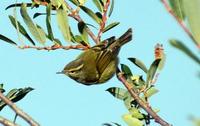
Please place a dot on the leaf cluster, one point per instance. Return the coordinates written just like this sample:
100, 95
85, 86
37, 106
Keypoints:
145, 88
14, 95
63, 13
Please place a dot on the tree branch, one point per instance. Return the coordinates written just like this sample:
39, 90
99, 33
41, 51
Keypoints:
18, 111
104, 19
142, 104
7, 122
180, 22
79, 19
54, 47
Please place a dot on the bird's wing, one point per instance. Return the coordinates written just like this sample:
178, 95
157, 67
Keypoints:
103, 60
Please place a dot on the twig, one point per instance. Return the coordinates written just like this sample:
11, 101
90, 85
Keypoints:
180, 22
79, 19
104, 19
18, 111
80, 47
6, 122
142, 104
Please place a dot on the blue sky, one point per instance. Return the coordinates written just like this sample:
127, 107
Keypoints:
58, 100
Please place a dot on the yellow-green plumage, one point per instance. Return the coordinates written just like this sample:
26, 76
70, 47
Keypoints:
97, 64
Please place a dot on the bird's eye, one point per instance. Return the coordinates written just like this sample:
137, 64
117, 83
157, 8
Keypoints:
73, 71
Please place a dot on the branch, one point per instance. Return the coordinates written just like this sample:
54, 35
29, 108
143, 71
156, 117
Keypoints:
142, 104
6, 122
18, 111
180, 22
104, 19
54, 47
79, 19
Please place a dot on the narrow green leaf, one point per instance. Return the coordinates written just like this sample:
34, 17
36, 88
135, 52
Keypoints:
177, 7
98, 5
21, 93
2, 90
75, 2
118, 93
91, 14
4, 38
111, 8
63, 24
126, 70
18, 5
192, 11
152, 71
150, 92
110, 26
139, 63
179, 45
15, 95
37, 34
82, 29
48, 22
21, 29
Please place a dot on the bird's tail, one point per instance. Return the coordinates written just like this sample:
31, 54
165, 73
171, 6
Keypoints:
125, 38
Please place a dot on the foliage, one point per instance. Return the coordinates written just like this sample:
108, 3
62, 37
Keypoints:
144, 88
14, 95
63, 14
187, 14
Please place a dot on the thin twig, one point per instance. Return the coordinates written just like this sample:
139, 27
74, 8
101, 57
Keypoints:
79, 19
104, 19
180, 22
18, 111
48, 48
7, 122
142, 104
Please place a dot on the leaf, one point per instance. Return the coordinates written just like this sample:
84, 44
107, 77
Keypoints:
91, 14
75, 2
117, 92
126, 70
131, 121
4, 38
150, 92
136, 113
110, 26
182, 47
122, 94
37, 34
138, 63
177, 7
15, 95
152, 71
82, 29
18, 5
109, 124
48, 22
21, 29
58, 4
111, 8
22, 93
2, 90
192, 12
98, 5
63, 24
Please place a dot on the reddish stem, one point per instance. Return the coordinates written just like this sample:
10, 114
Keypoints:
54, 47
104, 19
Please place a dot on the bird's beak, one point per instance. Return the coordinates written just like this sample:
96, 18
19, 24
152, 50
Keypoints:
62, 72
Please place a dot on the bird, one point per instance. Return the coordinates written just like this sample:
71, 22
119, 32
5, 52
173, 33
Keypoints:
97, 64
